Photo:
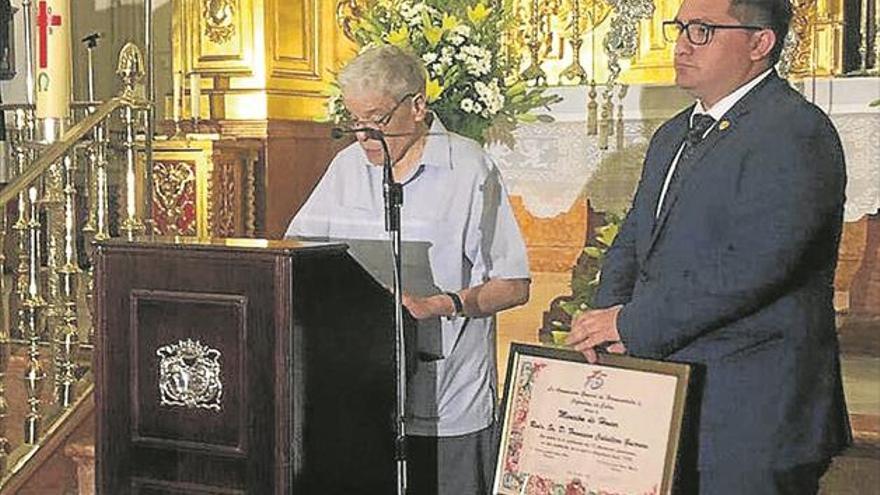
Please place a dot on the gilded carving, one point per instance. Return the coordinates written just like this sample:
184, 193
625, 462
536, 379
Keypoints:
224, 192
189, 375
130, 68
250, 190
797, 56
347, 11
219, 16
174, 197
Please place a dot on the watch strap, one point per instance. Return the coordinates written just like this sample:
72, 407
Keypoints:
457, 304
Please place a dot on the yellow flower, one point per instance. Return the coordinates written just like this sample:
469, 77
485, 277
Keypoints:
449, 22
432, 34
433, 90
478, 13
399, 37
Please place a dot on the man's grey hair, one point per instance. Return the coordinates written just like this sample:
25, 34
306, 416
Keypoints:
774, 14
386, 69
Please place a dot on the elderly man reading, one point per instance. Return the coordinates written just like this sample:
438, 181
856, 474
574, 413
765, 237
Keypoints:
456, 203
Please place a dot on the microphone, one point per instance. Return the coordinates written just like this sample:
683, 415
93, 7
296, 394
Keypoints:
339, 132
91, 40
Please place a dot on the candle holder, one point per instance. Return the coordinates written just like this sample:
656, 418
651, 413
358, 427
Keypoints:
176, 103
195, 95
575, 72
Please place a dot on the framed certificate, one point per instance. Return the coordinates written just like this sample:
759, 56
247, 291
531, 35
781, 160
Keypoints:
578, 428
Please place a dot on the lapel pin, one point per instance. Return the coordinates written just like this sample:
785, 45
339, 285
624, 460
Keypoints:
724, 124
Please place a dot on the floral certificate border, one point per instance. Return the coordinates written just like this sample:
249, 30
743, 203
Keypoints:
574, 428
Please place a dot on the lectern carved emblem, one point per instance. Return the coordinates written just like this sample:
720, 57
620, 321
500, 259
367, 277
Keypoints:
189, 375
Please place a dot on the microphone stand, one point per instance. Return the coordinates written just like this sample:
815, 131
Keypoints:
393, 195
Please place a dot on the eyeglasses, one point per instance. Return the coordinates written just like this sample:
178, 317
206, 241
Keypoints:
699, 33
382, 121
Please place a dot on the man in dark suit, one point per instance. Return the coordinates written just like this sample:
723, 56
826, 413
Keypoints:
727, 256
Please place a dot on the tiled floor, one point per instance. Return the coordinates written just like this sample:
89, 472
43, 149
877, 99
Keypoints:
856, 472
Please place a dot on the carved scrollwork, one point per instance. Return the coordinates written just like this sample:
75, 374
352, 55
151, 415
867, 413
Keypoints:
190, 375
797, 56
219, 18
622, 39
224, 207
174, 197
347, 11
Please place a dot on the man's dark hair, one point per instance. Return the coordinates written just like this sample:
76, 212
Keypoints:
775, 14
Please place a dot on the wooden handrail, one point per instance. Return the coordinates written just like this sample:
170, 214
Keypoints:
25, 466
55, 151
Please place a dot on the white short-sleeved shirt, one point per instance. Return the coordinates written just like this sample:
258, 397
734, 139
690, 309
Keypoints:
455, 201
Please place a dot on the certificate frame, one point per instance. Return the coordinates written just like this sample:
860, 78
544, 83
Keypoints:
526, 442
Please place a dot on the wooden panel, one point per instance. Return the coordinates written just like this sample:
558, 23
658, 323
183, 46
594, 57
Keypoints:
217, 321
294, 38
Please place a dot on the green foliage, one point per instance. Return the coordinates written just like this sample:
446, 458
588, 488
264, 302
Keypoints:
472, 85
585, 277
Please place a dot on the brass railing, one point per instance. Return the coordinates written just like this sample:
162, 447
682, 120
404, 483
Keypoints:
60, 208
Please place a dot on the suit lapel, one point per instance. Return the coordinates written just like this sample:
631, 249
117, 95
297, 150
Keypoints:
660, 161
726, 126
687, 166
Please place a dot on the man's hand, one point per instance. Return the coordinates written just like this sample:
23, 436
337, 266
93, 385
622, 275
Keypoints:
426, 307
595, 328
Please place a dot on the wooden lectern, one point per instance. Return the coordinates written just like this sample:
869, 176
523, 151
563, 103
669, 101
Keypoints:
242, 367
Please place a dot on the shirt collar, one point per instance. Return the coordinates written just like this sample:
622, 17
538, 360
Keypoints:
437, 152
724, 104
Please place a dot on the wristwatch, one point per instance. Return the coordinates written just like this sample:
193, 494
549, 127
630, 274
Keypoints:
456, 304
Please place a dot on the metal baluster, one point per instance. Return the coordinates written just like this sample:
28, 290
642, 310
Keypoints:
34, 374
66, 335
131, 70
131, 224
89, 227
23, 125
98, 208
53, 206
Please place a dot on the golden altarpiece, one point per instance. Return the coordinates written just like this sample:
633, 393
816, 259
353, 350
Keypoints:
245, 146
257, 74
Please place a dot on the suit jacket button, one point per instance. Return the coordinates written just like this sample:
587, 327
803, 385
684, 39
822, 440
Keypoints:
643, 276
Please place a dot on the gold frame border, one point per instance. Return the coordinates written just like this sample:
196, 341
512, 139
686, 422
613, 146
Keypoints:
682, 372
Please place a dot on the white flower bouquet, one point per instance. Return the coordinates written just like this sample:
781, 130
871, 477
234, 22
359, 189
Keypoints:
472, 85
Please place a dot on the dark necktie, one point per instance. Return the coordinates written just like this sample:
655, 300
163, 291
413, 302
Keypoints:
700, 123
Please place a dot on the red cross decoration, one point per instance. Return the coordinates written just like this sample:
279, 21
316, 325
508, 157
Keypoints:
45, 19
